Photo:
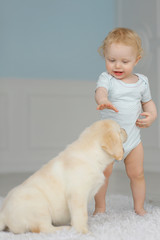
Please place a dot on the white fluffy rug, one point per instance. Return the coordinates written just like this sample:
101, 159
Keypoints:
118, 223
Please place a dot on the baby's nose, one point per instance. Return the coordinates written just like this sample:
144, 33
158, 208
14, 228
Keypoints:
118, 64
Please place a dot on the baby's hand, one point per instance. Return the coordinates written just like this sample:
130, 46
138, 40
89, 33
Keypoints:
145, 122
107, 105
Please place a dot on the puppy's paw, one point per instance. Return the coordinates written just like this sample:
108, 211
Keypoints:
82, 229
85, 230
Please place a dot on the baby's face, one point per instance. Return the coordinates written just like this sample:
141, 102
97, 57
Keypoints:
120, 60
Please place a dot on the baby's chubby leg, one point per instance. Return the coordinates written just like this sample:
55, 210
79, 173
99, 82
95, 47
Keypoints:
100, 203
134, 169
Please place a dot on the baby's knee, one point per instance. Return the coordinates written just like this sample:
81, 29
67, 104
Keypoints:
136, 175
108, 171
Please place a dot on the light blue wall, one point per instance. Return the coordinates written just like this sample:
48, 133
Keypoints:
53, 39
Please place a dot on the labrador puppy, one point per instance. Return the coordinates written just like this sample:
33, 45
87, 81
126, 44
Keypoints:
57, 194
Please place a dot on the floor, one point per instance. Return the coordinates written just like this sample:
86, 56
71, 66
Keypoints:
119, 184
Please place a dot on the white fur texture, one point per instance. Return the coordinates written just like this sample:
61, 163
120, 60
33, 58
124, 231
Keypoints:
119, 222
57, 195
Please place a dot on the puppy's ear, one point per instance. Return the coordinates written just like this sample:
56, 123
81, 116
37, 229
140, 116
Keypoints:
112, 144
123, 135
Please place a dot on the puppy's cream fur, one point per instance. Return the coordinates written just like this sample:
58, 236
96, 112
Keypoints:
57, 194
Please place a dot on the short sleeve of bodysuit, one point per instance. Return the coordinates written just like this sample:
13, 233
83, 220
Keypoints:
146, 94
104, 80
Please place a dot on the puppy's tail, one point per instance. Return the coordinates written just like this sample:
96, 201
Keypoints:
2, 224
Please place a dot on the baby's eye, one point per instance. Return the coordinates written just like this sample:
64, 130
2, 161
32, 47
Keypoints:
111, 60
125, 61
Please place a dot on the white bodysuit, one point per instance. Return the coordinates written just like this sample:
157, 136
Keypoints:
127, 99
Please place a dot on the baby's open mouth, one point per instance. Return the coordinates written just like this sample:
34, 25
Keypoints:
118, 73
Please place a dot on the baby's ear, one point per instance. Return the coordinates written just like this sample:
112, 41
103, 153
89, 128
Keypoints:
112, 144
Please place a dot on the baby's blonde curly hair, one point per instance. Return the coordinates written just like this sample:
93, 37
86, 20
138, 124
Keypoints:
124, 36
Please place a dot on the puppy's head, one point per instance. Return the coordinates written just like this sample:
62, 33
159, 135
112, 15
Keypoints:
113, 139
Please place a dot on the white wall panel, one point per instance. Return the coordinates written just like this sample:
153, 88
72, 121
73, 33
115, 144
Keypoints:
38, 118
144, 17
4, 126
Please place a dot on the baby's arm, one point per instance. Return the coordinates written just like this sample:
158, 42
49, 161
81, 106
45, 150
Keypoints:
101, 98
150, 114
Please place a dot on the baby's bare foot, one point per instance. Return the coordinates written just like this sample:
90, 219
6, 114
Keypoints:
141, 212
99, 210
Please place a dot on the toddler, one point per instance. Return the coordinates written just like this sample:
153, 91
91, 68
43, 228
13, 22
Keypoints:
124, 96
